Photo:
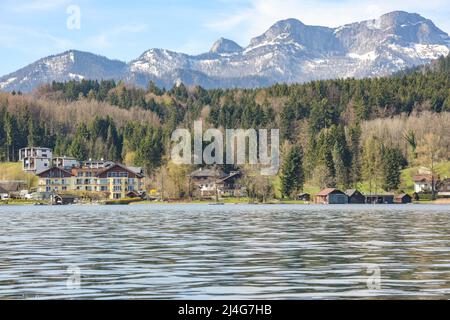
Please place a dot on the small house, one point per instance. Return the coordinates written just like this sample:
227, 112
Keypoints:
133, 194
355, 197
229, 186
209, 182
424, 182
403, 198
304, 197
331, 196
380, 198
64, 199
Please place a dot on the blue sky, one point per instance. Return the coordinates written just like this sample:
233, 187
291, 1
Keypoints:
32, 29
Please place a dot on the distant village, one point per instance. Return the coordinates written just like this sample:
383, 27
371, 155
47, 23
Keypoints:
66, 180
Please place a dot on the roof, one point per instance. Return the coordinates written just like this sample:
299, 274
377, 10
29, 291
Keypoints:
52, 168
41, 148
129, 169
424, 178
328, 191
351, 192
207, 173
231, 175
400, 196
303, 194
136, 170
64, 157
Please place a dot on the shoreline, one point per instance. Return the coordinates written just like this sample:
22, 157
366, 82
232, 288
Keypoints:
187, 203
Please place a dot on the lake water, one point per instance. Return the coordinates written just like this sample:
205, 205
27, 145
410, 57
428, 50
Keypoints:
225, 252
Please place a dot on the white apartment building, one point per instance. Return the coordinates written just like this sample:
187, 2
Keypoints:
65, 162
35, 159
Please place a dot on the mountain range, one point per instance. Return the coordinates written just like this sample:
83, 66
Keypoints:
288, 52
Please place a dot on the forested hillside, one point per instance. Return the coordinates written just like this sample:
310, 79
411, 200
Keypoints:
343, 132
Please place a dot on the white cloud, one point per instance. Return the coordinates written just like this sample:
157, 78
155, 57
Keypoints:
258, 15
104, 39
15, 37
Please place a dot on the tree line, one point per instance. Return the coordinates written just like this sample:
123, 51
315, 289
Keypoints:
323, 124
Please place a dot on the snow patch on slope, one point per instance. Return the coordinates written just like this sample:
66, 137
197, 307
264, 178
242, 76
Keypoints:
7, 82
369, 56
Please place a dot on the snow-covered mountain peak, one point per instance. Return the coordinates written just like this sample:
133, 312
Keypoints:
225, 46
289, 51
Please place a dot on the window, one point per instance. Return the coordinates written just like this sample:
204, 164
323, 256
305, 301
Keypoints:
117, 188
117, 196
103, 188
117, 175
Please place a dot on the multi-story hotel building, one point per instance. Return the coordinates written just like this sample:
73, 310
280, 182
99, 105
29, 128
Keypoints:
114, 180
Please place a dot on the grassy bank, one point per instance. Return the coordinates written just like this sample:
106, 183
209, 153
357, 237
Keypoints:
11, 171
17, 202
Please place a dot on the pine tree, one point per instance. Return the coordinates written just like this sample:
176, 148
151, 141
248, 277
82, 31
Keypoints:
371, 164
392, 161
354, 133
287, 123
341, 157
292, 177
10, 132
78, 149
31, 133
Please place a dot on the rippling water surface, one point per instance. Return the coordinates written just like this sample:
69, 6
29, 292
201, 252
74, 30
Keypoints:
225, 252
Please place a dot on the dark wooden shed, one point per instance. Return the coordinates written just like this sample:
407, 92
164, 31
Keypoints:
304, 197
355, 197
403, 198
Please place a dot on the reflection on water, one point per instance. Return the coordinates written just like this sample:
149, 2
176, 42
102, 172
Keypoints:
228, 252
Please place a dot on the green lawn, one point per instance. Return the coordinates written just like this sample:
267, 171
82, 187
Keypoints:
13, 171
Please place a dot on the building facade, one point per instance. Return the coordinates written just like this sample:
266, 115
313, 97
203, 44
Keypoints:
114, 181
35, 159
207, 183
65, 162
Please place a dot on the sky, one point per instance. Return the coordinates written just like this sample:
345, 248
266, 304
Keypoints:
32, 29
